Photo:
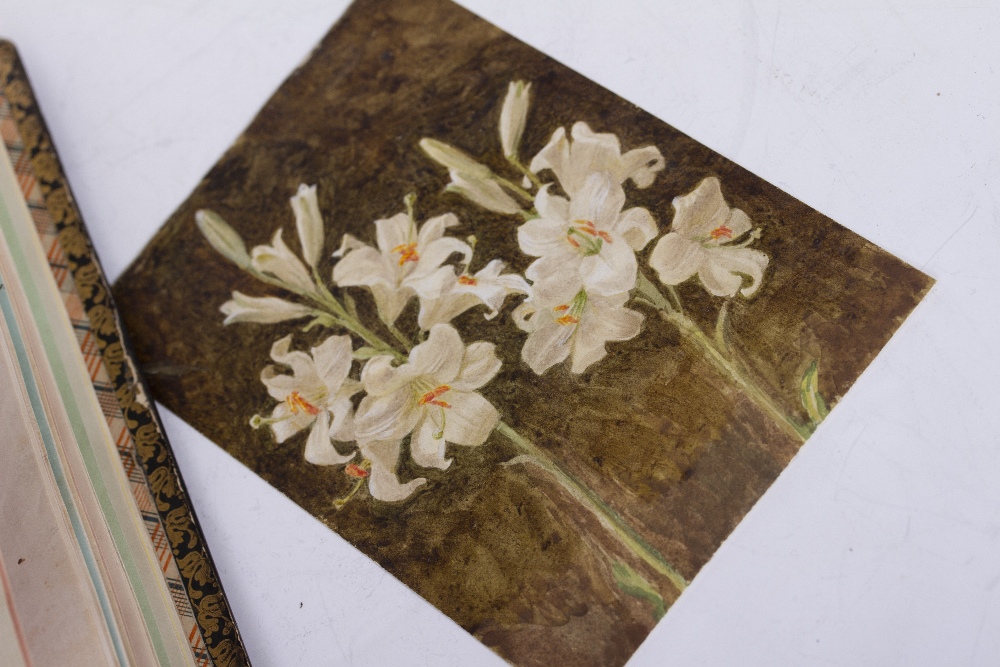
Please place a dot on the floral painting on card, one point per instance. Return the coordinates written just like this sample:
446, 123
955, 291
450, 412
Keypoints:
531, 349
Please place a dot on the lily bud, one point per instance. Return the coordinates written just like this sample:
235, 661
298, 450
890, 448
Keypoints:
454, 159
226, 241
513, 116
262, 310
308, 222
483, 191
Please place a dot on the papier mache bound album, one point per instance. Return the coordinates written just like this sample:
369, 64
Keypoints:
102, 561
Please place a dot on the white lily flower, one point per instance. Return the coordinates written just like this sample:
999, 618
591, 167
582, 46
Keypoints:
279, 261
407, 263
587, 242
488, 286
579, 328
433, 396
316, 395
513, 116
574, 161
226, 241
308, 222
469, 178
700, 241
262, 309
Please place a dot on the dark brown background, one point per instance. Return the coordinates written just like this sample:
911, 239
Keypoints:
652, 428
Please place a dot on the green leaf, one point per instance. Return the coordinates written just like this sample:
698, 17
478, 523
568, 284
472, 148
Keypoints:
812, 400
366, 352
632, 583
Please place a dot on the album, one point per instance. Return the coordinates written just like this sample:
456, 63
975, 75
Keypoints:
102, 561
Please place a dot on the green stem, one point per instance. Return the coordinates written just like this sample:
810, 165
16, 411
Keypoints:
532, 176
608, 518
722, 363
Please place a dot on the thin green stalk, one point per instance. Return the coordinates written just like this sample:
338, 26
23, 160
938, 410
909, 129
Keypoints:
722, 363
532, 176
608, 518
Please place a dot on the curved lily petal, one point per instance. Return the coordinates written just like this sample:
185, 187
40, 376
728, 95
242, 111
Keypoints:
480, 364
308, 222
382, 481
440, 356
470, 420
676, 258
319, 450
427, 444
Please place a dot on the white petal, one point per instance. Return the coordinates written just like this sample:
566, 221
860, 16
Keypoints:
551, 206
600, 201
598, 326
308, 222
440, 356
262, 309
347, 244
444, 308
319, 450
636, 226
554, 156
380, 377
738, 224
389, 417
288, 424
333, 361
555, 280
393, 232
342, 426
611, 271
470, 419
382, 481
434, 253
434, 228
676, 258
700, 211
479, 365
722, 273
642, 165
544, 236
390, 300
590, 153
363, 266
547, 345
426, 450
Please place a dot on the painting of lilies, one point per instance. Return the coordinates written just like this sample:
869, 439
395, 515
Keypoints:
529, 348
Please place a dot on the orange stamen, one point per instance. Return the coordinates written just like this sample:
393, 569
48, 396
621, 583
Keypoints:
430, 398
568, 319
407, 253
721, 232
467, 280
296, 403
561, 309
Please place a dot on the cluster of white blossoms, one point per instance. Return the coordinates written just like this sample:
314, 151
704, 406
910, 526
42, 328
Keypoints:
429, 396
585, 239
585, 242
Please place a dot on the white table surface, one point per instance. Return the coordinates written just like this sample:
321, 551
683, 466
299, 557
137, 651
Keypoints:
879, 545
